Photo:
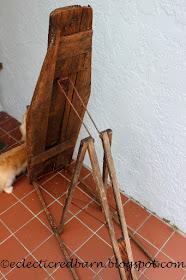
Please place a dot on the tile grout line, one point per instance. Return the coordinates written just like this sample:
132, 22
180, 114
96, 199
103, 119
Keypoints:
34, 216
184, 277
142, 224
160, 251
29, 253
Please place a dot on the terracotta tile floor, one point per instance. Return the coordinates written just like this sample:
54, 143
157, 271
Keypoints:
25, 234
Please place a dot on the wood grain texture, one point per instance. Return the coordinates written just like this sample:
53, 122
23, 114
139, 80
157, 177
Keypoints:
37, 119
51, 120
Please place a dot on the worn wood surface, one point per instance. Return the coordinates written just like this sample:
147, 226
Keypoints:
105, 207
74, 181
37, 119
115, 217
55, 231
105, 167
51, 120
117, 197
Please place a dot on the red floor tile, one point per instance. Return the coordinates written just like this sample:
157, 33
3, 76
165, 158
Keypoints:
143, 277
16, 217
95, 250
160, 273
79, 200
33, 234
8, 140
139, 255
62, 273
75, 234
10, 124
90, 181
46, 177
16, 133
3, 117
155, 231
22, 187
176, 248
84, 171
57, 185
4, 232
103, 233
92, 216
110, 272
16, 144
50, 251
66, 173
2, 132
7, 200
82, 270
29, 272
56, 211
33, 203
111, 199
134, 214
12, 251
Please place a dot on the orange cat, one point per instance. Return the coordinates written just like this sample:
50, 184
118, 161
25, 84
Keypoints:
23, 125
13, 162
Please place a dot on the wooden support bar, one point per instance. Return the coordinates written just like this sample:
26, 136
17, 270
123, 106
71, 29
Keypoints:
105, 206
112, 174
132, 236
105, 167
53, 151
54, 228
74, 181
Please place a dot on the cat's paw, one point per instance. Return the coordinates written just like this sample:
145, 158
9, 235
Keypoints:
8, 189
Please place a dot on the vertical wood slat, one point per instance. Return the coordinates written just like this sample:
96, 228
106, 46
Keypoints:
68, 21
105, 207
82, 83
117, 197
37, 119
55, 115
105, 167
73, 183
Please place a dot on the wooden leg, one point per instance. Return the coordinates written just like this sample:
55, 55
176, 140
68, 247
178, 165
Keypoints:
74, 181
54, 228
105, 206
112, 174
115, 217
105, 167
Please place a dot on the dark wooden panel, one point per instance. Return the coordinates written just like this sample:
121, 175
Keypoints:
51, 113
37, 119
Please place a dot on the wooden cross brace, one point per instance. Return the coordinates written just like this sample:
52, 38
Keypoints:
101, 184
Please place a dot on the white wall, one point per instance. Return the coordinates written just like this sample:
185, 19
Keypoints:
138, 84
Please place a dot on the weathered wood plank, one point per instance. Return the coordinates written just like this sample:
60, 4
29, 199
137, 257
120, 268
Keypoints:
117, 197
52, 152
75, 44
74, 181
56, 122
37, 119
69, 23
105, 167
105, 207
